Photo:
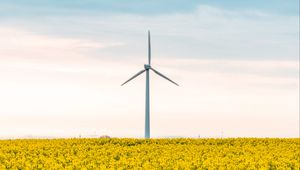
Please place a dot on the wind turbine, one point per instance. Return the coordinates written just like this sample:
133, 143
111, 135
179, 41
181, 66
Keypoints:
147, 68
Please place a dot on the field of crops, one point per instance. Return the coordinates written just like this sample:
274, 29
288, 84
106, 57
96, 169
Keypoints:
240, 153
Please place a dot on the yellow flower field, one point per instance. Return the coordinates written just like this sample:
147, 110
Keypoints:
239, 153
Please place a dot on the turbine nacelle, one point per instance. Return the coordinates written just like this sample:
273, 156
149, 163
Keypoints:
147, 67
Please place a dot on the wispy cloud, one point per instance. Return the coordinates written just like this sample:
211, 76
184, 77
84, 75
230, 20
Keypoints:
20, 40
206, 32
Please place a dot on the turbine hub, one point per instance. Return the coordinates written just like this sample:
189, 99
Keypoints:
147, 67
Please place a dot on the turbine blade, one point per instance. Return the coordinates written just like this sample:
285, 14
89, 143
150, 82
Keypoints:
163, 76
149, 49
137, 74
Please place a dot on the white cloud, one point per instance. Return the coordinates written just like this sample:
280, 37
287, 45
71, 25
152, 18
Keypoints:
14, 39
16, 42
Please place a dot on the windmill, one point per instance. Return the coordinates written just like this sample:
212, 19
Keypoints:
147, 68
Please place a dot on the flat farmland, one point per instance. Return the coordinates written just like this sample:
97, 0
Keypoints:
116, 153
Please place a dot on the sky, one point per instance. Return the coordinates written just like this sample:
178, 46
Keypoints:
62, 64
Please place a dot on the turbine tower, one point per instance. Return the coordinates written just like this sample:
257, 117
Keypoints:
147, 68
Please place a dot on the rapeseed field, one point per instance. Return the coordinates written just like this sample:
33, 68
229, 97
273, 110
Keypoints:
115, 153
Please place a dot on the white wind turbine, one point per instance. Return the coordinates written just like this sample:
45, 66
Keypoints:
147, 68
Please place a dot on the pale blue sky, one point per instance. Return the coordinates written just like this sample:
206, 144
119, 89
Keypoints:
249, 24
237, 63
153, 7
